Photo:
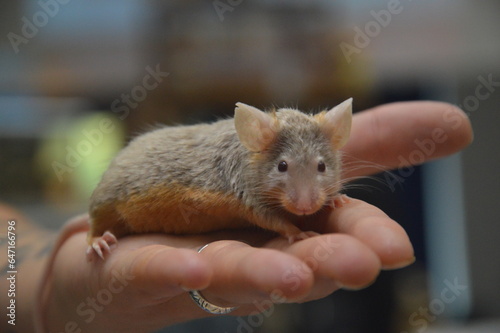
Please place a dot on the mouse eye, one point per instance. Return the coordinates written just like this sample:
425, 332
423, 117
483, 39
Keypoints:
321, 166
282, 166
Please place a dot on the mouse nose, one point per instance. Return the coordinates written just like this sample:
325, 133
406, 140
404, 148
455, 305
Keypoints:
305, 205
302, 201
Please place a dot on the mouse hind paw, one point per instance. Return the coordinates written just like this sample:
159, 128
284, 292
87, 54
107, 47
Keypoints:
101, 245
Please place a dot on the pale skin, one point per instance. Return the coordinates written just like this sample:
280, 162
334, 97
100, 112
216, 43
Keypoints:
358, 241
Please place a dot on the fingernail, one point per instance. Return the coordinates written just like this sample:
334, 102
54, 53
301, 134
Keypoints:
400, 265
353, 288
356, 288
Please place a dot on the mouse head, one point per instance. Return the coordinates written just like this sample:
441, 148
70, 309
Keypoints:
296, 160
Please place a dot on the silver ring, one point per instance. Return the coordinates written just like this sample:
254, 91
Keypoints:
206, 305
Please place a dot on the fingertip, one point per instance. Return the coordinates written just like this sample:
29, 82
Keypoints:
357, 267
295, 281
461, 123
448, 124
196, 271
390, 242
395, 249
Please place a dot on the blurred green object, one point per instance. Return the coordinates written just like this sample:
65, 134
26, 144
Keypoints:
75, 152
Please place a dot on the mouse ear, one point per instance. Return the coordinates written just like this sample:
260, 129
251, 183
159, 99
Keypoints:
256, 129
336, 123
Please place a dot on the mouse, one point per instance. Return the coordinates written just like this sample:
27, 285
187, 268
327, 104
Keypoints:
269, 169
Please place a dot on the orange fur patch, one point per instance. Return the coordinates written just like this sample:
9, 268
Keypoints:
319, 117
174, 209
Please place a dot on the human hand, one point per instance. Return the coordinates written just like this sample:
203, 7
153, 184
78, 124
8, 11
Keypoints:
141, 286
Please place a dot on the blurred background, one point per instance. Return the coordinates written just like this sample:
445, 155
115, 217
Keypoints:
78, 79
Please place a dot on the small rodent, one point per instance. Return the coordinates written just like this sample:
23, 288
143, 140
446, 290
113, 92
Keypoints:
264, 169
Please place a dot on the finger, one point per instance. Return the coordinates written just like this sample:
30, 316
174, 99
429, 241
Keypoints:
337, 260
384, 137
375, 229
157, 272
244, 274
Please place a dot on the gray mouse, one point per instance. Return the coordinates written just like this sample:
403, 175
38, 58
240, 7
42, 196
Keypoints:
265, 169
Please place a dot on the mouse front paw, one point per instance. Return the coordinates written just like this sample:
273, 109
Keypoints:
339, 201
101, 245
